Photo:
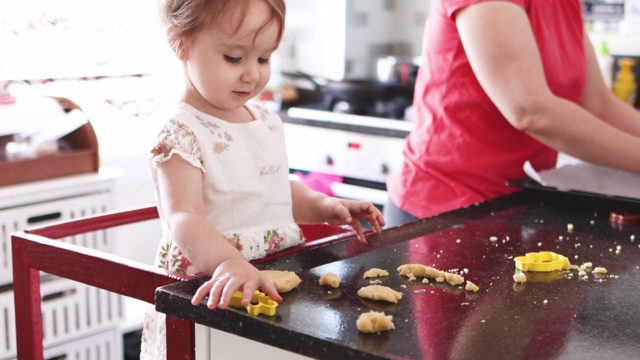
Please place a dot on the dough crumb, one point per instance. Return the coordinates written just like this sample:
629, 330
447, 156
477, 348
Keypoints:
453, 279
379, 292
471, 287
331, 279
375, 272
520, 278
599, 270
425, 281
374, 321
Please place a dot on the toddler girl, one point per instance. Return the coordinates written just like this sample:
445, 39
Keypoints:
220, 167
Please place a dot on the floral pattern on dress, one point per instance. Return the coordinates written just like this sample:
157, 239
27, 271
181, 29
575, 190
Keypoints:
264, 114
235, 241
274, 241
171, 258
214, 130
176, 137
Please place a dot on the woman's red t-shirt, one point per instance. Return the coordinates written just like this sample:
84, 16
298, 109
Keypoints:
462, 150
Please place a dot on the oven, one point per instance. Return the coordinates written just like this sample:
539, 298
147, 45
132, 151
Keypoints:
345, 155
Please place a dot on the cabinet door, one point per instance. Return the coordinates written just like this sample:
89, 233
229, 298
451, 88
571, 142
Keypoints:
46, 213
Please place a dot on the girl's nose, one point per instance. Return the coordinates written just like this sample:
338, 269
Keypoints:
251, 73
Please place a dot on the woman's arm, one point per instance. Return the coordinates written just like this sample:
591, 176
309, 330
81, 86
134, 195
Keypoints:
600, 100
503, 54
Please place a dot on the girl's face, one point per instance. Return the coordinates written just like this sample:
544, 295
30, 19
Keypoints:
224, 70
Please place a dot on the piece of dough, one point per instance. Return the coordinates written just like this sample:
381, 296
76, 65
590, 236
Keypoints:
373, 321
420, 270
375, 272
379, 292
284, 281
599, 270
520, 278
331, 279
471, 287
453, 279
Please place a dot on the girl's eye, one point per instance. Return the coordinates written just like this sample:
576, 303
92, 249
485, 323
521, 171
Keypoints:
263, 60
231, 59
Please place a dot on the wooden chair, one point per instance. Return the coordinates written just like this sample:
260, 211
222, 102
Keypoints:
36, 250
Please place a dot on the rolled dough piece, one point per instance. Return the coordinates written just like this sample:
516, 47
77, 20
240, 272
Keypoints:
379, 292
284, 281
375, 272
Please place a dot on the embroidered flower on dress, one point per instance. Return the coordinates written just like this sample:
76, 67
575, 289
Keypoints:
214, 130
219, 147
175, 137
274, 241
161, 151
171, 258
264, 115
235, 241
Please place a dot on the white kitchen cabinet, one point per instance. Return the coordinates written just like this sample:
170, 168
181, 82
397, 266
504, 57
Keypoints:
79, 321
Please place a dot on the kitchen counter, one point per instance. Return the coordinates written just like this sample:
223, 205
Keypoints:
552, 315
347, 122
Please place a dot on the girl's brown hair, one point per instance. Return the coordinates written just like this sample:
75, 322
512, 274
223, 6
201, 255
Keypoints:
185, 18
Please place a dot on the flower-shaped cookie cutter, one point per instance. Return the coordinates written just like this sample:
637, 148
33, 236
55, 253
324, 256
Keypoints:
260, 303
541, 261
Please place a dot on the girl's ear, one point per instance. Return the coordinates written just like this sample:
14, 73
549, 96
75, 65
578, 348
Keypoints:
177, 43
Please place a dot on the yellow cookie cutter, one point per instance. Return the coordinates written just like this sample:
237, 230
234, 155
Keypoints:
540, 261
260, 303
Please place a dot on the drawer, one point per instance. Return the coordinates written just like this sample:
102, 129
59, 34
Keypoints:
46, 213
70, 310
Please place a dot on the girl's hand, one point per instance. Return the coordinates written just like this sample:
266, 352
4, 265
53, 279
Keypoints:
340, 212
230, 276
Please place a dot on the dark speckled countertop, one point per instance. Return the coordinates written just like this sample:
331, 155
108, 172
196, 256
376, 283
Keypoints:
553, 315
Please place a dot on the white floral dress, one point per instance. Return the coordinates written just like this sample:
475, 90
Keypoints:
246, 191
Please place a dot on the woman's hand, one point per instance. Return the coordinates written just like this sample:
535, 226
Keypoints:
230, 276
349, 212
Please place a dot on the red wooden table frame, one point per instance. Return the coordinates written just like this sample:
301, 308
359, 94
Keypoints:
39, 249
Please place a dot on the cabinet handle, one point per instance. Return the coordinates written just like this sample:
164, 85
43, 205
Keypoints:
58, 295
44, 217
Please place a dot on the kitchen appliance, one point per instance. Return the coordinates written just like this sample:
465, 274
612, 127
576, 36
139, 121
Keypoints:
384, 99
360, 150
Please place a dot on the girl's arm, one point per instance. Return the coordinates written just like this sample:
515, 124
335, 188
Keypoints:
180, 192
502, 51
313, 207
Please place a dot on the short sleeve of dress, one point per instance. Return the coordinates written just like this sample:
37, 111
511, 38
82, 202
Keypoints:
175, 138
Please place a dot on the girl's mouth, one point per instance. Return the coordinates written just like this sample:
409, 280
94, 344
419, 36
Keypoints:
242, 93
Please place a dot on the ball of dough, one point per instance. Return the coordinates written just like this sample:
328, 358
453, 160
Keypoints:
331, 279
373, 321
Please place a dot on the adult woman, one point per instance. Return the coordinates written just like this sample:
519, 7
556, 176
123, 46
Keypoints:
503, 82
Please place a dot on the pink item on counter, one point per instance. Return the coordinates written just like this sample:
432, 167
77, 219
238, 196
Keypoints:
319, 182
7, 99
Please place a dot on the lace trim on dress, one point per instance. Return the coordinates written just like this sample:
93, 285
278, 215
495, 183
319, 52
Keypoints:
177, 138
252, 246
